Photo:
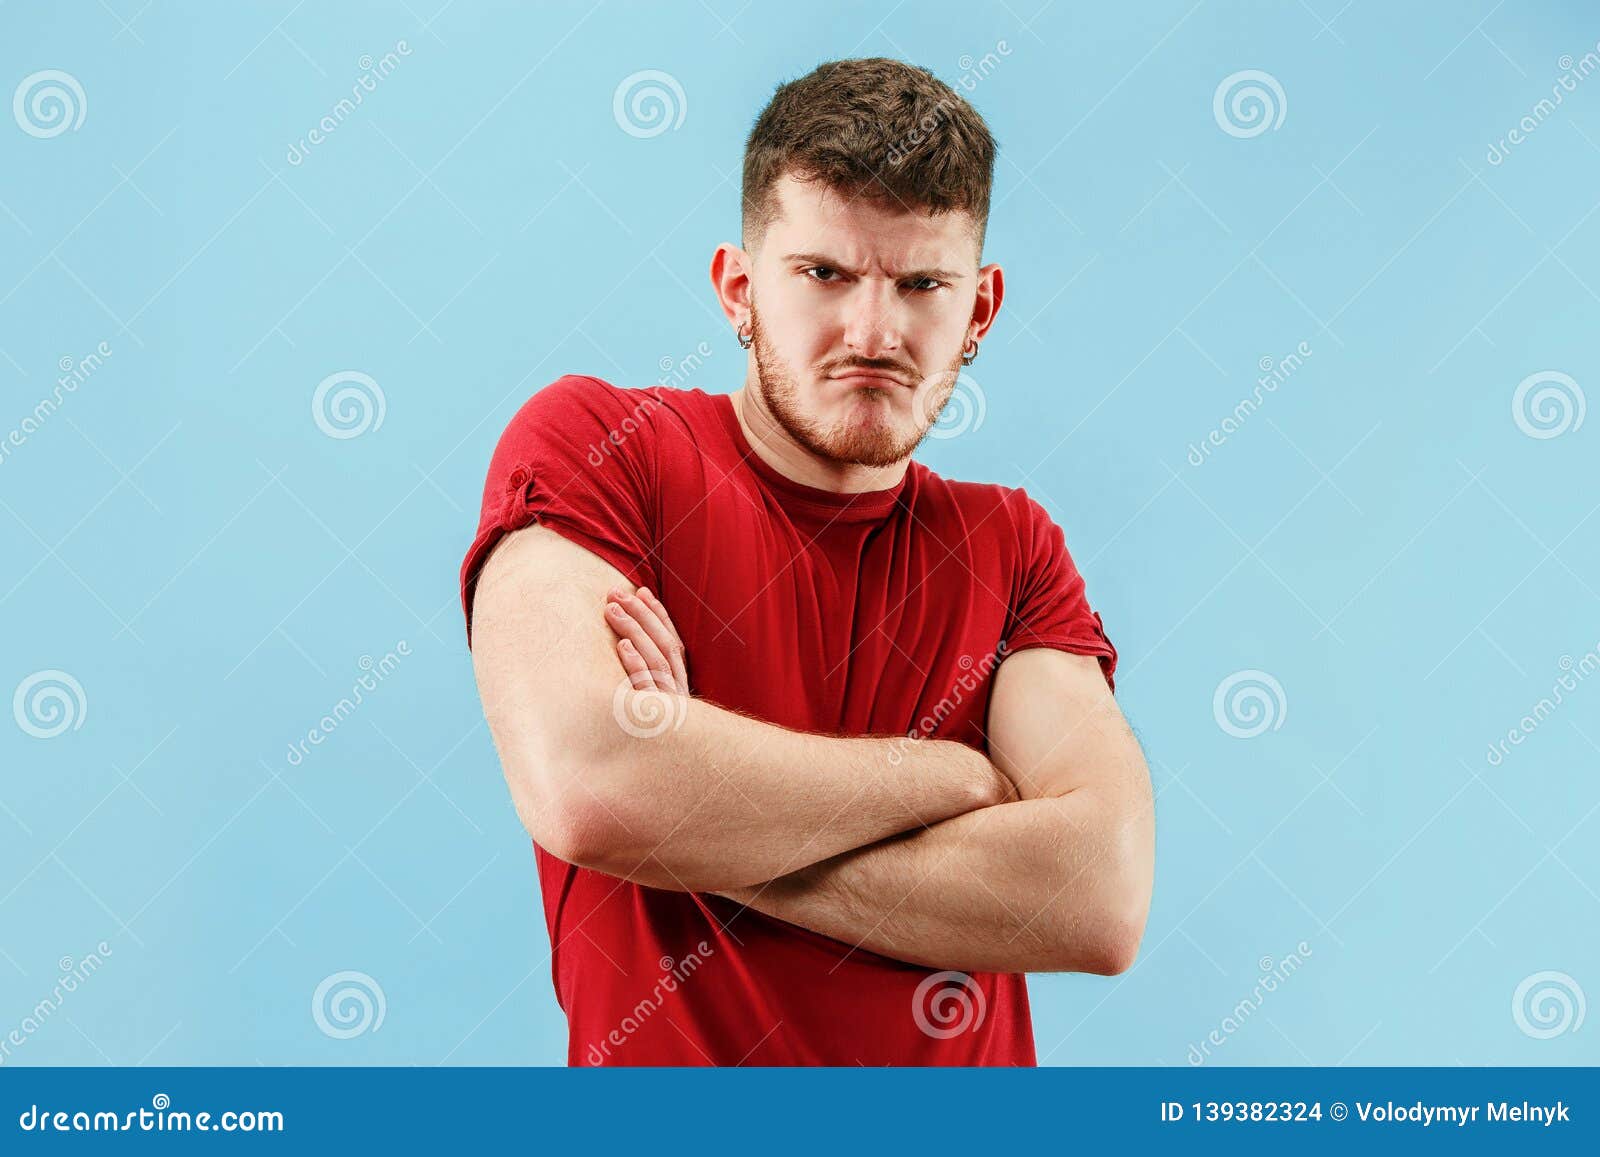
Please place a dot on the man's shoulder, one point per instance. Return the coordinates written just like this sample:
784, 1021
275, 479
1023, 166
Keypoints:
987, 507
589, 408
585, 393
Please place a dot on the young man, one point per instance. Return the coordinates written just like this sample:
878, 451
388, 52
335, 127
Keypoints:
817, 749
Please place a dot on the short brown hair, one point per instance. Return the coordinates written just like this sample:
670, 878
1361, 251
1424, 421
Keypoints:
875, 128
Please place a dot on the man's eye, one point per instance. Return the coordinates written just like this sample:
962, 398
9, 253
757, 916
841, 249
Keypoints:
827, 276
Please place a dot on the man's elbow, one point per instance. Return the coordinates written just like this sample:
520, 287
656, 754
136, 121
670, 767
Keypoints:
577, 830
1102, 943
570, 784
590, 833
1104, 937
590, 809
575, 823
1125, 908
1112, 945
1122, 907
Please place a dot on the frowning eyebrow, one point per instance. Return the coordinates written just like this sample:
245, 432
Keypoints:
910, 274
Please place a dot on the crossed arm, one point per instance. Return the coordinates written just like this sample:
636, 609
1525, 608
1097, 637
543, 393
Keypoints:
1035, 857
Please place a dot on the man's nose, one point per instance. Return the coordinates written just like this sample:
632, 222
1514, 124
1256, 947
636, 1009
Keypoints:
872, 326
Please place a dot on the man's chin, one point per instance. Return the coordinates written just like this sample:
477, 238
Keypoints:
870, 440
869, 427
871, 407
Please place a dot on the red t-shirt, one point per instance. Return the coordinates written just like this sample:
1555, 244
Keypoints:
879, 613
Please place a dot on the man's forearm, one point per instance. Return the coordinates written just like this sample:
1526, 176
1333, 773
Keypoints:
719, 800
1038, 885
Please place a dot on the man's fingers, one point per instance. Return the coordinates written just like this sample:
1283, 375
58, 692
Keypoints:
658, 629
647, 618
629, 628
674, 647
649, 597
638, 673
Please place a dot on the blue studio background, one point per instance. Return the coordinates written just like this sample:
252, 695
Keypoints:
1329, 609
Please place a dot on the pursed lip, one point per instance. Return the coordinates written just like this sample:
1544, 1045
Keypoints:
868, 375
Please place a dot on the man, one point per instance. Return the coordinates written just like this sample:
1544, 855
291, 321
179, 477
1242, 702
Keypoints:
817, 749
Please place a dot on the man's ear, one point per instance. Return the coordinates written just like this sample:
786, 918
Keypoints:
731, 273
986, 307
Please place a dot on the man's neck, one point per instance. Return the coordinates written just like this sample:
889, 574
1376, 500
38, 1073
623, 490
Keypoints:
778, 449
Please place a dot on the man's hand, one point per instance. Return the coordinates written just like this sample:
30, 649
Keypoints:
648, 645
